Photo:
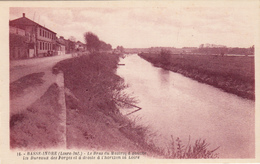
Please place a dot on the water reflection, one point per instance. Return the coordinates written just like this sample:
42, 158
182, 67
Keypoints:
164, 76
190, 108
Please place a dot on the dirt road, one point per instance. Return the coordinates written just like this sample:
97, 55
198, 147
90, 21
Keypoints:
21, 68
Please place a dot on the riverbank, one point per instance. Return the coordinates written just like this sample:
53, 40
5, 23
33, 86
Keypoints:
231, 74
93, 98
38, 127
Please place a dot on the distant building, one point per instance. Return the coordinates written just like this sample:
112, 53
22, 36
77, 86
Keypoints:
188, 49
70, 46
37, 39
80, 46
207, 45
60, 46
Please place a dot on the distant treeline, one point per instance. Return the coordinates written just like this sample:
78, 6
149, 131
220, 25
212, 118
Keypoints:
225, 50
231, 74
191, 50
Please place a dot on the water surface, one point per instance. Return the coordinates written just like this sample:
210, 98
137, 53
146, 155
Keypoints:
176, 105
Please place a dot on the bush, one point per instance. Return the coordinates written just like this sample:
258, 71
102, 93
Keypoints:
164, 57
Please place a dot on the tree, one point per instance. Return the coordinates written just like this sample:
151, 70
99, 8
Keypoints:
72, 38
252, 50
92, 41
104, 46
120, 48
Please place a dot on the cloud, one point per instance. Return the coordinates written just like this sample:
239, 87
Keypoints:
60, 16
174, 25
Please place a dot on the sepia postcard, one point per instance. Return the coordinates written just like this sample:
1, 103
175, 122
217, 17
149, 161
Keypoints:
129, 81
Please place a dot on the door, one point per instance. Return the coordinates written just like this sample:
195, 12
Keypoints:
31, 53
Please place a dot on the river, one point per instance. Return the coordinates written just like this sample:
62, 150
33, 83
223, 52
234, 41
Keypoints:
179, 106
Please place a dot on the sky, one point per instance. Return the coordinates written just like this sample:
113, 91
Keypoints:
174, 25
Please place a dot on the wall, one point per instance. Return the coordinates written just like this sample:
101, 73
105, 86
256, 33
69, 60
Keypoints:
15, 30
18, 47
45, 35
45, 41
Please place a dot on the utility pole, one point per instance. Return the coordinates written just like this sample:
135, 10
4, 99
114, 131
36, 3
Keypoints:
39, 19
33, 16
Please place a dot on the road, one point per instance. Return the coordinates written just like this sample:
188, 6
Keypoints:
20, 68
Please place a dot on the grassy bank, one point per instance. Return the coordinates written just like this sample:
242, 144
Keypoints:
37, 126
231, 74
93, 96
22, 85
93, 99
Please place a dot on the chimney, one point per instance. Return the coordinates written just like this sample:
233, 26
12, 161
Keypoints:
23, 14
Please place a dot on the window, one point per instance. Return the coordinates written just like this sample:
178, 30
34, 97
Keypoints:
40, 45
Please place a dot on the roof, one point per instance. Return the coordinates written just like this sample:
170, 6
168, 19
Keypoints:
23, 21
79, 43
60, 41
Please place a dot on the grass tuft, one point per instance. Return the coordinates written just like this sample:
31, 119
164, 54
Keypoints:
178, 150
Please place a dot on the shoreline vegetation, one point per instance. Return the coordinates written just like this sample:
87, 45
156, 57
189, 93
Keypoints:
93, 96
93, 117
231, 74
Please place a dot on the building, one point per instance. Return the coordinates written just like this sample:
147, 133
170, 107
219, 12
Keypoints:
60, 46
207, 45
18, 43
69, 46
79, 46
39, 40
